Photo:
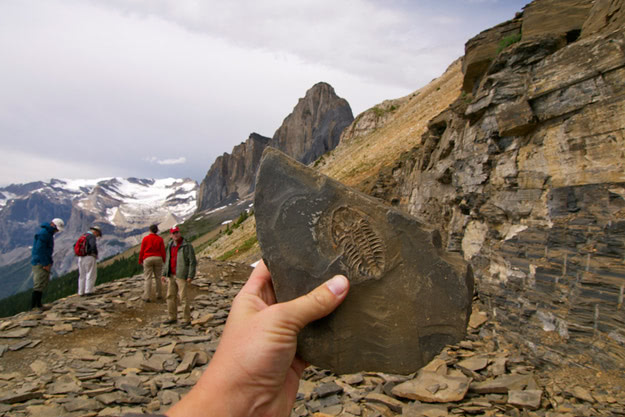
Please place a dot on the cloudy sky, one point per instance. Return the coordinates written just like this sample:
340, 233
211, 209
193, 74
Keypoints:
160, 88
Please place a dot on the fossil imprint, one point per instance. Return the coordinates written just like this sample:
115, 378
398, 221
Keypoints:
359, 242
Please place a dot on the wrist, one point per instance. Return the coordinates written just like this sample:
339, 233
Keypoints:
211, 396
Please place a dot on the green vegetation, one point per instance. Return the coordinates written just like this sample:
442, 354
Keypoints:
67, 284
379, 112
235, 225
206, 244
507, 41
244, 247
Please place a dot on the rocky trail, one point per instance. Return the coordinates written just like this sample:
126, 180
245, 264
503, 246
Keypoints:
109, 354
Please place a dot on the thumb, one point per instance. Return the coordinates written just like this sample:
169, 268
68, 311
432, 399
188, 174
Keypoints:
319, 302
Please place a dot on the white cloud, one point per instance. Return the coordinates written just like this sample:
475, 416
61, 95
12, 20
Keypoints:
169, 161
90, 88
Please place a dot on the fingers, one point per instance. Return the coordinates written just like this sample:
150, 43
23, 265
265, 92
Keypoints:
258, 278
259, 284
319, 302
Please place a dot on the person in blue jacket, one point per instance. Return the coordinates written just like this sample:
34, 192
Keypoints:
41, 259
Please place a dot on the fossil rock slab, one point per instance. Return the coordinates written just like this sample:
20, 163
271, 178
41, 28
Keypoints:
407, 299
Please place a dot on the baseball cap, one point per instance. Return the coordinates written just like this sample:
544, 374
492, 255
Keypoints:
59, 223
174, 229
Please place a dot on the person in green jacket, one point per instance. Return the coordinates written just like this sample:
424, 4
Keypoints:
179, 268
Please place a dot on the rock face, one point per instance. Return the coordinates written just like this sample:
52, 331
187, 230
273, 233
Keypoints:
407, 299
315, 126
555, 18
480, 51
312, 129
232, 175
526, 178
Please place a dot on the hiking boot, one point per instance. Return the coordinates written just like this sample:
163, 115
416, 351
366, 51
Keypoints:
171, 321
185, 323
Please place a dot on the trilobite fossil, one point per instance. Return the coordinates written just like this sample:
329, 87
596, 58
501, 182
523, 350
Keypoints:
360, 244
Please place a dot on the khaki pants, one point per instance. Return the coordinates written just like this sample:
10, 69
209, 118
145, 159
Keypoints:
40, 278
177, 287
152, 268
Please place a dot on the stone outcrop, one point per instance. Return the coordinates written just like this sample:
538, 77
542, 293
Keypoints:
312, 129
526, 178
563, 18
606, 15
315, 125
482, 49
371, 119
232, 175
558, 19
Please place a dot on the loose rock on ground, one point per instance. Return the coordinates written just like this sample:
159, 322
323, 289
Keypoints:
110, 354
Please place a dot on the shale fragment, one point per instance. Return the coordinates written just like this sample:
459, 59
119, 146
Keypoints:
408, 299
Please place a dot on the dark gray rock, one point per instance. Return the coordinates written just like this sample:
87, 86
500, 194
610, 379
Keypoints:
407, 299
327, 389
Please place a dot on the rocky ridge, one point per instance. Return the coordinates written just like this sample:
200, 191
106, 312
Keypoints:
68, 361
524, 175
313, 128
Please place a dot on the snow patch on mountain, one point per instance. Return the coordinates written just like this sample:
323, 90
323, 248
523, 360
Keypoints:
122, 207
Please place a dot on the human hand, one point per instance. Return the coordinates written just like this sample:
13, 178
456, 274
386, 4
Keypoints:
48, 267
254, 371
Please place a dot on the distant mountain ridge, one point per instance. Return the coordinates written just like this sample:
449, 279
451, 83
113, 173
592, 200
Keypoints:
122, 207
312, 129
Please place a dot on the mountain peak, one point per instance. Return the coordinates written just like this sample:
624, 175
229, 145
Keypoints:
312, 129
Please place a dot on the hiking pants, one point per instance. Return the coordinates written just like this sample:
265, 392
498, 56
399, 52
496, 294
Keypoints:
152, 268
177, 287
87, 274
40, 278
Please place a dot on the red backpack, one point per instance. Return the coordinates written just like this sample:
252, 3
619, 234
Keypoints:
80, 247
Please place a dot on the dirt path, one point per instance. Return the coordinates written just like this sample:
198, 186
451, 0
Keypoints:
119, 324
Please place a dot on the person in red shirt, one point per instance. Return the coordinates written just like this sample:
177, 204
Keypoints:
152, 257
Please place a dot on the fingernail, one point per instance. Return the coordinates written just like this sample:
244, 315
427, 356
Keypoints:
338, 285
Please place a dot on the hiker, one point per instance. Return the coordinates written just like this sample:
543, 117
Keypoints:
41, 258
254, 371
180, 269
87, 271
152, 257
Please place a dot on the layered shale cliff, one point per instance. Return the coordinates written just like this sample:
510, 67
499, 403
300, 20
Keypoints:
312, 129
525, 176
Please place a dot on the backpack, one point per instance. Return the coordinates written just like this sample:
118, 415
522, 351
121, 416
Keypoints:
80, 247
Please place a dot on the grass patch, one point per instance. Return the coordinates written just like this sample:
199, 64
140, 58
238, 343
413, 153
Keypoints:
507, 41
247, 245
379, 111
